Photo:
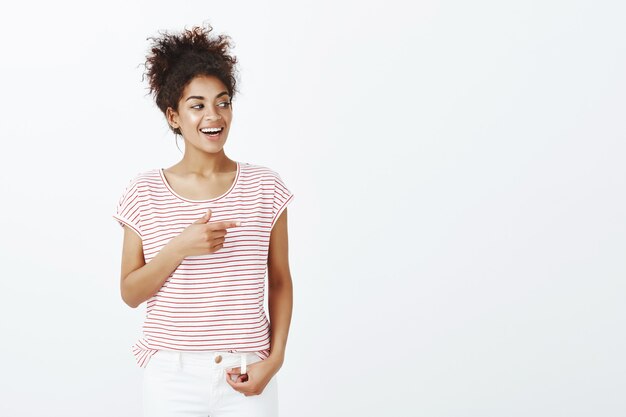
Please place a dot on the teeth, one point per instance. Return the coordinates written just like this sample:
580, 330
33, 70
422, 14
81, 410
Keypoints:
211, 129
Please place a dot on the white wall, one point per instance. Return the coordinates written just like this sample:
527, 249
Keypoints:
458, 234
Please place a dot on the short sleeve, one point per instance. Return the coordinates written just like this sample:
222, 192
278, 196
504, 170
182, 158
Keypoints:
127, 211
281, 198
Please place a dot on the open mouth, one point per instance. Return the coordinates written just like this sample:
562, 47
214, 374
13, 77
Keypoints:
212, 132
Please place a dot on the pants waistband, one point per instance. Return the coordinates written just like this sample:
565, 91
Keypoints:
221, 359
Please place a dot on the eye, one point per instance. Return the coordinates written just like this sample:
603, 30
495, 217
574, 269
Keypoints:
193, 107
224, 104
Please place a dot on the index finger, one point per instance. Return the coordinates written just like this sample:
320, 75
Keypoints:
223, 225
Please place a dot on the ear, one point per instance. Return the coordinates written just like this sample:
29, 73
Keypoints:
172, 117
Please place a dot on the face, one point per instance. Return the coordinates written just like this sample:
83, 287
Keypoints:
205, 104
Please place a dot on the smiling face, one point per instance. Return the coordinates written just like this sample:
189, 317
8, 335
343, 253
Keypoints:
204, 108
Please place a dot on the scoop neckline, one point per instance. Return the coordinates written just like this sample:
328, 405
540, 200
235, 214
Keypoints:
175, 194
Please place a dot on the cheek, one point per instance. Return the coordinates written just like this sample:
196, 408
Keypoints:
193, 119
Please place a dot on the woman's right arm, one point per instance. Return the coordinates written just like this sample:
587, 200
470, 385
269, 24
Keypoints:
141, 280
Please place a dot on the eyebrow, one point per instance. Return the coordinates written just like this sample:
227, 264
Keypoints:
202, 98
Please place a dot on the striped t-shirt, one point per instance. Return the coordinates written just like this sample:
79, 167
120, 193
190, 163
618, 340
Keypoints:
214, 301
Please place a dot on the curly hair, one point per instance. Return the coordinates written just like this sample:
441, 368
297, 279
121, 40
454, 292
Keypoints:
175, 59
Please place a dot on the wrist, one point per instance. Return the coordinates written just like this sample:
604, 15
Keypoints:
173, 249
276, 358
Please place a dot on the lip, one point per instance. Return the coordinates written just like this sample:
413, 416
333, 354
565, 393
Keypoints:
214, 138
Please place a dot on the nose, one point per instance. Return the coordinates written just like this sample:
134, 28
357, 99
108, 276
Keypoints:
212, 115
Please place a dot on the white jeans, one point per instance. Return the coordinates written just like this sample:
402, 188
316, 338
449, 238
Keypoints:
193, 384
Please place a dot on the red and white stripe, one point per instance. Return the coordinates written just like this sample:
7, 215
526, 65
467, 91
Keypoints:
213, 301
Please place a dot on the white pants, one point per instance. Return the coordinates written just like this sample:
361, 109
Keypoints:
193, 384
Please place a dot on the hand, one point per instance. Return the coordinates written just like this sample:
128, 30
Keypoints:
202, 237
254, 381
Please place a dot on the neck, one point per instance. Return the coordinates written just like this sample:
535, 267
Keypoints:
205, 164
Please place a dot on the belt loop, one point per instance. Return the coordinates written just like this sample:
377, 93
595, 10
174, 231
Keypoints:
243, 363
180, 360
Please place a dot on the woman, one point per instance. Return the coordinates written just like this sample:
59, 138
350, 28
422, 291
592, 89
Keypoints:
199, 238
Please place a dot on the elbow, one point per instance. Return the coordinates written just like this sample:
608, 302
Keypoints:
130, 302
128, 299
132, 305
279, 279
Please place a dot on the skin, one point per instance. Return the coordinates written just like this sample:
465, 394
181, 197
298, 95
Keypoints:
205, 166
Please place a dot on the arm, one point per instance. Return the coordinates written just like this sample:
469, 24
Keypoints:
280, 289
140, 281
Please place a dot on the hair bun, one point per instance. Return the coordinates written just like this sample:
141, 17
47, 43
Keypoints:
176, 58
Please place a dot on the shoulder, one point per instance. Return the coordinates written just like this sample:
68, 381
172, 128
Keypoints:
260, 171
144, 177
140, 181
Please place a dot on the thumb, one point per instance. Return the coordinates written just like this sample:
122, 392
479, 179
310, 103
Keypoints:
204, 218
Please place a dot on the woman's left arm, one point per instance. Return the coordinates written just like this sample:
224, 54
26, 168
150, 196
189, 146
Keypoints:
280, 289
280, 304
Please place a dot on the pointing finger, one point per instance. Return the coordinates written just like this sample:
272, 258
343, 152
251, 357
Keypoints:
223, 225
